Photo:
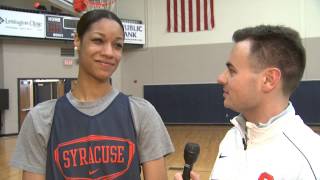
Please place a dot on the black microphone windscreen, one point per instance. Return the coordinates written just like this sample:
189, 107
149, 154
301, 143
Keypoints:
191, 152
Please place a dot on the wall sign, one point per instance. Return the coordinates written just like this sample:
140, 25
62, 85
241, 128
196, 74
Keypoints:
134, 33
22, 24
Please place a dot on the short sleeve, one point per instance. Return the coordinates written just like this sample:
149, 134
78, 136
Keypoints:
31, 148
153, 139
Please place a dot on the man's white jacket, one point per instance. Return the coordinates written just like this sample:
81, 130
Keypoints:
286, 149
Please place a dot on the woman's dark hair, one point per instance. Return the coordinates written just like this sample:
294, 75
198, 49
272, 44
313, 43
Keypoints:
93, 16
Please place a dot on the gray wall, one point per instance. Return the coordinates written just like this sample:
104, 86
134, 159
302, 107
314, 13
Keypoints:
27, 4
27, 58
191, 64
172, 65
313, 56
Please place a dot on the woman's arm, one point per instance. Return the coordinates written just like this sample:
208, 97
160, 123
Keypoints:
155, 170
32, 176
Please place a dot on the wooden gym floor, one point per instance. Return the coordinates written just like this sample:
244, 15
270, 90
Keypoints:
207, 136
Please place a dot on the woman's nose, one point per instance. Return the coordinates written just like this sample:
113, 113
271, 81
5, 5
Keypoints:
107, 49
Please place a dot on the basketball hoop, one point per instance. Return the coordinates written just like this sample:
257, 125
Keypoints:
82, 6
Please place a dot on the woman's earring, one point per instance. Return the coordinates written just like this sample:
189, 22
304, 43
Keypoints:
76, 48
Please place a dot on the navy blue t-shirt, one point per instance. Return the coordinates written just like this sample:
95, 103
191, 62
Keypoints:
102, 146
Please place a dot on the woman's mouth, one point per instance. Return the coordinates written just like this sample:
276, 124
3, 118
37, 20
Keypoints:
105, 63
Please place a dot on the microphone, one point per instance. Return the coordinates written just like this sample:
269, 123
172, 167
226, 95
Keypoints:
191, 152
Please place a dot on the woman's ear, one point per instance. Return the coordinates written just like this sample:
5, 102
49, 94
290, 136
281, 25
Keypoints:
76, 42
271, 79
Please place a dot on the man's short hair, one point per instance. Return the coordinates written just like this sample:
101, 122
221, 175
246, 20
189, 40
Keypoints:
276, 46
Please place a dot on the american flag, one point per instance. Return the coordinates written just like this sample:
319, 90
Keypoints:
189, 15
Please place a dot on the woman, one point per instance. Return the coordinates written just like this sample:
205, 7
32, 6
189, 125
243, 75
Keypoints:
94, 131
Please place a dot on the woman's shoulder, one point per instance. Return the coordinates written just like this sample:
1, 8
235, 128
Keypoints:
44, 108
140, 104
139, 101
42, 113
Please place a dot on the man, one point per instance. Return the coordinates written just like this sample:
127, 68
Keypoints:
268, 141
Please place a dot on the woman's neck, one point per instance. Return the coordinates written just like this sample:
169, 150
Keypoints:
90, 90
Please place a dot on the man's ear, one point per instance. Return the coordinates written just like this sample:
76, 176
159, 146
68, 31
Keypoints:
271, 79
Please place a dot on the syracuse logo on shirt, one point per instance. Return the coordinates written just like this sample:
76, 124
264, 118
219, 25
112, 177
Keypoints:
94, 157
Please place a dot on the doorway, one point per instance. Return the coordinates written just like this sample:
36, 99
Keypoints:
34, 91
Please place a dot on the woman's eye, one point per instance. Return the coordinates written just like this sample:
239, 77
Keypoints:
97, 40
119, 45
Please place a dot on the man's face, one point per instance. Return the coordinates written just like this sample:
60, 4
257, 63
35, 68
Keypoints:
241, 84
